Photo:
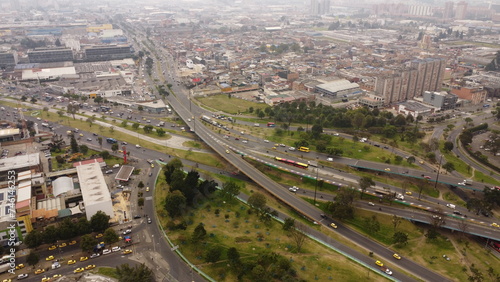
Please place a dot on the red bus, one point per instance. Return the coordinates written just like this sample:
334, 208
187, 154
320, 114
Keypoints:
290, 162
495, 245
271, 124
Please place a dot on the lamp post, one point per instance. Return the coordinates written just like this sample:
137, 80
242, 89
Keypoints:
316, 186
439, 169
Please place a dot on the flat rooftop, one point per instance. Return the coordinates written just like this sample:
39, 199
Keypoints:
21, 161
124, 173
92, 183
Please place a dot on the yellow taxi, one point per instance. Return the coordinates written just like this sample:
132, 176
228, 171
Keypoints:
84, 258
379, 263
81, 134
274, 148
90, 266
147, 189
57, 276
7, 280
62, 245
396, 256
333, 225
39, 271
409, 193
71, 261
72, 243
78, 270
51, 248
49, 258
99, 235
126, 252
152, 165
20, 266
495, 225
46, 279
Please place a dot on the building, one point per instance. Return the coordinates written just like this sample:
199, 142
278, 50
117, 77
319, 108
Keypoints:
461, 11
95, 193
8, 59
476, 94
414, 108
320, 7
338, 88
50, 55
448, 10
440, 100
156, 106
106, 53
372, 101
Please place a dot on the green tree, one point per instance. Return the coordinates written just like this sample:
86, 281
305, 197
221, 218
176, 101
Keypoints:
33, 239
141, 184
74, 144
298, 235
140, 202
199, 233
372, 225
88, 242
400, 238
175, 203
410, 160
51, 234
83, 226
105, 155
213, 253
289, 223
148, 128
449, 167
230, 190
32, 258
140, 108
137, 273
110, 236
448, 146
124, 123
98, 99
90, 121
24, 98
365, 182
160, 131
257, 201
99, 221
114, 147
135, 125
99, 140
60, 113
233, 256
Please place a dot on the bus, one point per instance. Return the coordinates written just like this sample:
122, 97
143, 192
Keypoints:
304, 149
290, 162
271, 124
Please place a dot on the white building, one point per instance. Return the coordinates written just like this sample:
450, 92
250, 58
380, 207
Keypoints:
95, 193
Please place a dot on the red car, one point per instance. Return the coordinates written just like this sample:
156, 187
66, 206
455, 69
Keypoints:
427, 177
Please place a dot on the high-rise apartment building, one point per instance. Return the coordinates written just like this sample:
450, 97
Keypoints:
411, 81
448, 10
320, 7
461, 11
8, 59
50, 55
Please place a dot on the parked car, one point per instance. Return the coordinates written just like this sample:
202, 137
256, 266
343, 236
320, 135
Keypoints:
106, 251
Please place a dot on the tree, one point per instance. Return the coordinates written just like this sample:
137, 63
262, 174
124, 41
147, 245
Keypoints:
50, 234
410, 159
288, 224
74, 144
135, 125
57, 42
83, 226
371, 224
114, 147
199, 233
233, 256
141, 184
213, 253
60, 113
33, 258
105, 154
396, 221
148, 128
175, 203
137, 273
400, 238
257, 201
83, 149
33, 100
24, 98
99, 221
98, 99
99, 140
88, 243
449, 166
365, 182
230, 190
33, 239
448, 146
110, 236
160, 132
298, 235
140, 108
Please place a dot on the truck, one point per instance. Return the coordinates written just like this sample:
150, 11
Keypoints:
4, 267
466, 182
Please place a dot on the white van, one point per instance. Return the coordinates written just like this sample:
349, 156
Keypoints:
451, 206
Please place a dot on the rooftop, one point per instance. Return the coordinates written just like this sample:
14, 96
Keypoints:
19, 162
93, 184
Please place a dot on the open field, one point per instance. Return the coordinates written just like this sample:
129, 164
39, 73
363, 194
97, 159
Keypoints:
229, 105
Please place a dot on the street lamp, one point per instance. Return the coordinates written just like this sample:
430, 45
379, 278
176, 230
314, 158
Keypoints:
316, 186
439, 169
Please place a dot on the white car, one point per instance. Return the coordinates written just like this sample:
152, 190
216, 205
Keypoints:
266, 141
330, 159
116, 249
106, 251
244, 141
294, 189
137, 146
22, 276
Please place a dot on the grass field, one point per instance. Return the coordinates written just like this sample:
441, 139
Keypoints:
108, 271
229, 105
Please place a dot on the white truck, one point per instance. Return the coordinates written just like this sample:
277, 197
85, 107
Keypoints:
466, 182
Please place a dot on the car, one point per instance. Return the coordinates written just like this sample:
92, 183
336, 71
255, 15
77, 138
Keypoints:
409, 193
494, 225
161, 160
152, 165
20, 266
137, 146
98, 235
427, 177
236, 138
336, 134
39, 271
78, 270
53, 247
126, 252
62, 245
22, 276
266, 141
137, 216
274, 148
421, 162
71, 261
128, 231
457, 212
333, 225
244, 141
109, 171
147, 189
388, 271
116, 249
49, 258
124, 143
45, 279
323, 215
84, 258
94, 256
106, 251
56, 276
81, 134
293, 189
89, 139
379, 263
95, 134
149, 220
371, 204
227, 151
329, 159
396, 256
387, 169
90, 266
